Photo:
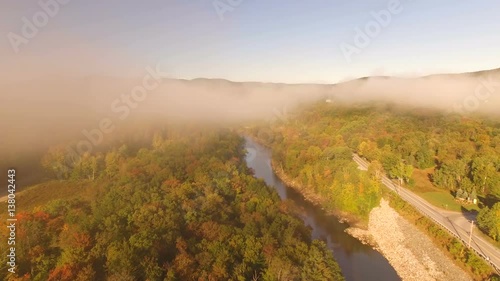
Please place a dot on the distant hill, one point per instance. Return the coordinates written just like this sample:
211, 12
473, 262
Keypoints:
38, 112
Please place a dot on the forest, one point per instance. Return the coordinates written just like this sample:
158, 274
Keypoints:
184, 207
461, 155
180, 203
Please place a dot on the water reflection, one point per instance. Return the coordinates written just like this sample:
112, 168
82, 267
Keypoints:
357, 261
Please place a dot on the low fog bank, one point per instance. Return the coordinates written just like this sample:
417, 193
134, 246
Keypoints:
38, 113
467, 93
41, 112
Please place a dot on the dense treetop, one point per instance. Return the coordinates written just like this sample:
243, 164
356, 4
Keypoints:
314, 147
185, 208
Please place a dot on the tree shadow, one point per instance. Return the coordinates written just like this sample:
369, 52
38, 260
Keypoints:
470, 215
429, 176
489, 200
452, 193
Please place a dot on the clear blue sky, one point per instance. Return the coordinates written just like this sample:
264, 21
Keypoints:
280, 41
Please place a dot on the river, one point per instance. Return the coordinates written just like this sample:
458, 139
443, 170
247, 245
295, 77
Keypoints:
357, 261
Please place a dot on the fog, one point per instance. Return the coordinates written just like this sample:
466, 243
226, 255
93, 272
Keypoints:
40, 112
62, 87
466, 93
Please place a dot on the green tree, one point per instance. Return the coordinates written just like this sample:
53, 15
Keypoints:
318, 266
489, 221
375, 169
484, 173
55, 161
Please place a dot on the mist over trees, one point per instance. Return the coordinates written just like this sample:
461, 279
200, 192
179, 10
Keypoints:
65, 107
186, 200
315, 146
185, 206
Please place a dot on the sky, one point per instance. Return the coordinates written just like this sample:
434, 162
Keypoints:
250, 40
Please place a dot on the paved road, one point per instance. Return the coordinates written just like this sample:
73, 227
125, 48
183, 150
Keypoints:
455, 222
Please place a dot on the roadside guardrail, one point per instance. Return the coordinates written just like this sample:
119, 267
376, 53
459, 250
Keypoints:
453, 233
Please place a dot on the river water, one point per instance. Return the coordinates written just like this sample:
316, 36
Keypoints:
357, 261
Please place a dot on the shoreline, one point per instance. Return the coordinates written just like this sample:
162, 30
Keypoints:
315, 199
311, 197
402, 246
408, 250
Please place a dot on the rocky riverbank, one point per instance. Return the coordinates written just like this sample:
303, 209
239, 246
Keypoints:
409, 251
412, 254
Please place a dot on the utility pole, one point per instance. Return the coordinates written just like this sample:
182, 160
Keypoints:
470, 234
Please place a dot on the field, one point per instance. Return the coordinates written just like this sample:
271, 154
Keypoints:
38, 195
437, 197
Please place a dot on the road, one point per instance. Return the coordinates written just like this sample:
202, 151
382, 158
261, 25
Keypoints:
455, 223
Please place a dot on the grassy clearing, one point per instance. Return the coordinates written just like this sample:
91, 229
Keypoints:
40, 194
437, 197
446, 201
463, 257
443, 199
422, 180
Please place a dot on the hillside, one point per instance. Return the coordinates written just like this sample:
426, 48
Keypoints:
185, 207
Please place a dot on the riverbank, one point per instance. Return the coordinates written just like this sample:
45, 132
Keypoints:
365, 264
410, 251
315, 199
311, 196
